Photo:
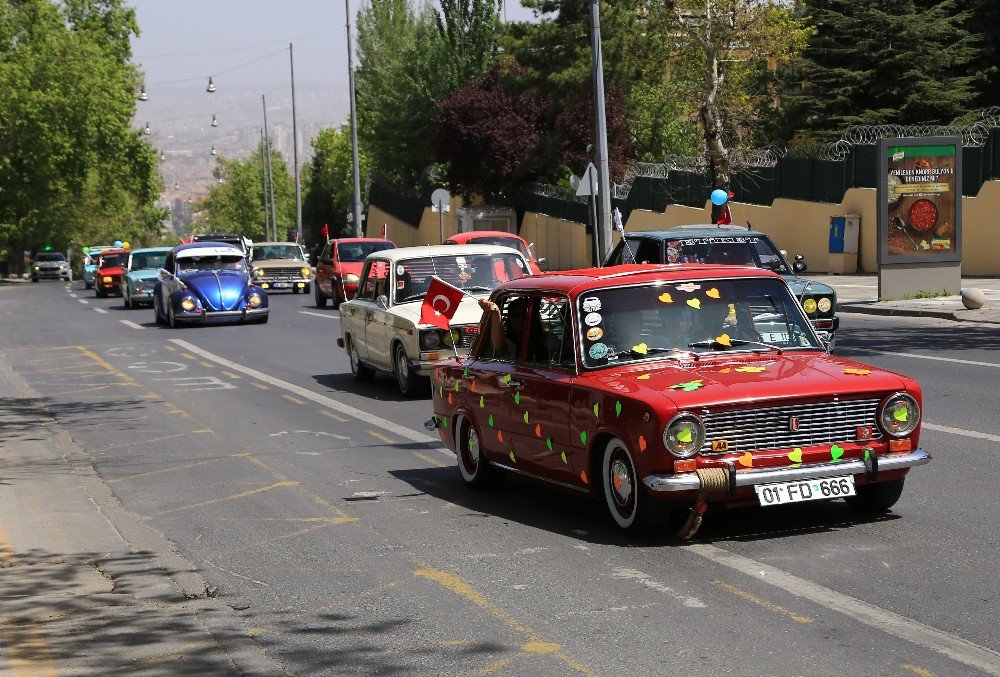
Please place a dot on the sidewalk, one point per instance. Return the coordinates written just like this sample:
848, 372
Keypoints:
85, 586
859, 294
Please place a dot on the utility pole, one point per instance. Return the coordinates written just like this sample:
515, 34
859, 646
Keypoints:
602, 229
295, 153
270, 175
263, 180
356, 200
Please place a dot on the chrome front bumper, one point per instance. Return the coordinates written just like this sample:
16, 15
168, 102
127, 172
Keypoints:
203, 315
689, 481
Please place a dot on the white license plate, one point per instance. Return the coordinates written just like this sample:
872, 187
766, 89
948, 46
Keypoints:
282, 285
805, 490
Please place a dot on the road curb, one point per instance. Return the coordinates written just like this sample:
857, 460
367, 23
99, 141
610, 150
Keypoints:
889, 311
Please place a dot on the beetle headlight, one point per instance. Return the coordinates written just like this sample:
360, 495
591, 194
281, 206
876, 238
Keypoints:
824, 304
306, 272
684, 435
430, 340
809, 305
255, 300
899, 415
188, 304
351, 278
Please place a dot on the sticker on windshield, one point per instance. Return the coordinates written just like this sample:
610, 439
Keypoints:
461, 262
520, 263
598, 351
673, 255
400, 284
594, 334
593, 319
400, 270
591, 304
689, 287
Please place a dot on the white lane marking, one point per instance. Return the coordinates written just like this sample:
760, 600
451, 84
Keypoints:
73, 295
130, 323
943, 359
644, 579
327, 402
891, 623
101, 310
959, 431
83, 300
324, 315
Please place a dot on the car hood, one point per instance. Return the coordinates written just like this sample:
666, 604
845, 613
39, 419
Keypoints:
217, 289
114, 270
714, 382
798, 285
468, 311
143, 275
280, 263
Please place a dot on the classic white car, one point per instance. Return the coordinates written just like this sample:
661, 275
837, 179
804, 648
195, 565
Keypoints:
381, 325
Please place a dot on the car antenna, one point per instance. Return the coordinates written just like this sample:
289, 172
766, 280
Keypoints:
749, 227
620, 227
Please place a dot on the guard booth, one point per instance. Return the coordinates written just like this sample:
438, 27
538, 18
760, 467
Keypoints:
843, 250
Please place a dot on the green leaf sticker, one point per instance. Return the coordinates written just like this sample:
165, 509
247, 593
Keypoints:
517, 397
548, 443
684, 435
444, 421
597, 410
901, 414
512, 458
506, 378
563, 457
458, 385
465, 372
525, 417
688, 386
583, 436
491, 420
482, 402
836, 452
868, 454
441, 391
618, 408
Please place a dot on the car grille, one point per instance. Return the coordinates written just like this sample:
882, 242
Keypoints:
282, 273
770, 427
469, 332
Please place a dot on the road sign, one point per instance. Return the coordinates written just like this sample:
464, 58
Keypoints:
589, 182
441, 200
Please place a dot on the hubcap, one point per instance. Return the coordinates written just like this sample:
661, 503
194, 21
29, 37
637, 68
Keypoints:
621, 482
473, 450
355, 359
402, 370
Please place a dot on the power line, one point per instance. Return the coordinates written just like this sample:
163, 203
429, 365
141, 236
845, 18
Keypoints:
240, 49
217, 73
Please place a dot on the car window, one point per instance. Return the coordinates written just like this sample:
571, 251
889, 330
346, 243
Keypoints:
740, 250
50, 257
474, 273
375, 281
145, 260
194, 264
616, 254
512, 242
353, 252
514, 318
647, 251
275, 252
169, 263
550, 336
111, 261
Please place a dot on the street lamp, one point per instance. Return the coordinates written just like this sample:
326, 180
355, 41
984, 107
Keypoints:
211, 85
142, 94
213, 150
146, 130
356, 200
215, 123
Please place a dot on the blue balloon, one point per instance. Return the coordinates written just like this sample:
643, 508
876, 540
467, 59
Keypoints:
118, 243
719, 197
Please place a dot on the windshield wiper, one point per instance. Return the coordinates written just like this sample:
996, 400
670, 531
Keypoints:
412, 297
477, 288
715, 345
678, 353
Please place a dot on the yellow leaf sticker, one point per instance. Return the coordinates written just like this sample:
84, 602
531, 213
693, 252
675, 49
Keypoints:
641, 349
750, 370
694, 303
724, 340
713, 292
684, 435
901, 414
666, 297
644, 377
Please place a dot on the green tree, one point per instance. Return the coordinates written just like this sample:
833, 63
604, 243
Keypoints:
72, 170
329, 186
237, 204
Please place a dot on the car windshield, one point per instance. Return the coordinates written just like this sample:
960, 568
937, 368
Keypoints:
355, 252
111, 261
739, 250
193, 264
275, 252
648, 322
50, 257
512, 242
146, 260
474, 273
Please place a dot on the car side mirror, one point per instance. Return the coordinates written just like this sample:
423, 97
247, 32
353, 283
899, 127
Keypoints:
382, 302
542, 261
799, 266
784, 252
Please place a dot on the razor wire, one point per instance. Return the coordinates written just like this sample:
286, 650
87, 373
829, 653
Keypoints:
973, 135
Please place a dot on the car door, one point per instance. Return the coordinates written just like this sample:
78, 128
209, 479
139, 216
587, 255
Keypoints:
324, 268
165, 281
540, 419
354, 314
378, 322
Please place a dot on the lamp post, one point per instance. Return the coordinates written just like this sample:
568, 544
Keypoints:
270, 176
602, 229
295, 151
356, 200
263, 181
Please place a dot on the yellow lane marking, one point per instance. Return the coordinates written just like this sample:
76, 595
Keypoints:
259, 385
243, 494
428, 459
918, 670
535, 643
255, 631
188, 356
232, 375
144, 663
27, 652
104, 363
770, 606
335, 417
81, 391
47, 360
134, 443
319, 500
381, 438
156, 472
494, 667
294, 399
6, 550
243, 549
208, 365
203, 431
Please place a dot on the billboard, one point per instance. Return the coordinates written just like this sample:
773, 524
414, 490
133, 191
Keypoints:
920, 200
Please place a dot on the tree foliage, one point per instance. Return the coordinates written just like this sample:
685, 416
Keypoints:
237, 204
72, 170
329, 185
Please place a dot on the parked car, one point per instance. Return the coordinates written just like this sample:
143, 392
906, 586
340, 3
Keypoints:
339, 267
110, 268
730, 246
207, 283
282, 266
50, 266
501, 239
142, 269
381, 328
670, 387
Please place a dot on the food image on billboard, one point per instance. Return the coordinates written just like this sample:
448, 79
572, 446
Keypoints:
922, 195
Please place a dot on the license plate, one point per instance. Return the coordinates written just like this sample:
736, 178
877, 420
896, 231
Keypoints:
282, 285
805, 490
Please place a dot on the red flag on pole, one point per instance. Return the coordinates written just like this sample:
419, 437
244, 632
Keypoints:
385, 227
440, 304
325, 230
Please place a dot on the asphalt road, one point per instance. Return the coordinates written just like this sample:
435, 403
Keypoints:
350, 545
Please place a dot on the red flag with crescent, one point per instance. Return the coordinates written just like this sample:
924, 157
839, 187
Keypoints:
440, 304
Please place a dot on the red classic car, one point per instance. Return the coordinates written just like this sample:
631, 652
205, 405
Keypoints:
656, 387
500, 239
339, 266
110, 265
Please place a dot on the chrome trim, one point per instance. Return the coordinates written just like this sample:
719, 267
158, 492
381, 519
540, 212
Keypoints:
537, 477
899, 394
748, 478
195, 314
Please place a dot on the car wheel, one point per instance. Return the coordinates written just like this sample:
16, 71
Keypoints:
156, 312
336, 296
295, 290
361, 371
876, 498
87, 285
34, 279
630, 506
262, 320
319, 297
472, 463
127, 300
305, 289
410, 384
171, 318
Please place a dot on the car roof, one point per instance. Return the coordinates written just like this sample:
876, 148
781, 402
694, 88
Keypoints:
586, 279
484, 233
402, 253
695, 230
143, 250
205, 245
265, 244
114, 251
361, 239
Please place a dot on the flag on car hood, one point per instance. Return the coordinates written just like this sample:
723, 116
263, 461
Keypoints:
440, 304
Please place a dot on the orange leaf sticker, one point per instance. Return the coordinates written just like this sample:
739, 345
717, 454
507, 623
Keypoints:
713, 292
644, 377
538, 430
583, 476
500, 435
746, 460
666, 297
858, 372
472, 386
725, 371
449, 398
724, 340
642, 443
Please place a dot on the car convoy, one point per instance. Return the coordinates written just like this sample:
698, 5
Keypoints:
695, 368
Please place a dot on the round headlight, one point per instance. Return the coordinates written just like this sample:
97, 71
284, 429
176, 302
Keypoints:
351, 278
684, 435
429, 340
188, 304
809, 305
899, 415
306, 272
258, 272
255, 300
824, 304
451, 338
106, 279
37, 268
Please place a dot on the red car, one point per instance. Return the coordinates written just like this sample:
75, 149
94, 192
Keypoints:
339, 266
110, 266
502, 239
663, 387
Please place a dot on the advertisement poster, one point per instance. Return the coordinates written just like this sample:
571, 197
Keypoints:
921, 200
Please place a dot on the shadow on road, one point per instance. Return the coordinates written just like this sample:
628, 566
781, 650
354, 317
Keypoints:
862, 339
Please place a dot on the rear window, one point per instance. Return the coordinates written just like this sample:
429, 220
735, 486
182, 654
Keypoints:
512, 242
50, 257
749, 250
473, 273
355, 252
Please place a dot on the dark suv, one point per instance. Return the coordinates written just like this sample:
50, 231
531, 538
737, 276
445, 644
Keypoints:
711, 244
243, 243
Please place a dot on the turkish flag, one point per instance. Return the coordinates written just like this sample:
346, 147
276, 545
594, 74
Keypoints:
726, 218
325, 230
440, 304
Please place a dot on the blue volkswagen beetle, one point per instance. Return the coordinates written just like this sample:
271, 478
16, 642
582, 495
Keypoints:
140, 275
207, 283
